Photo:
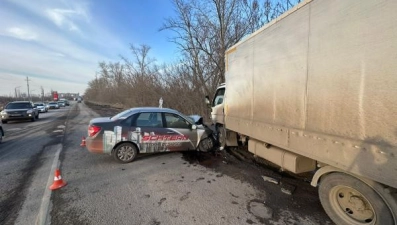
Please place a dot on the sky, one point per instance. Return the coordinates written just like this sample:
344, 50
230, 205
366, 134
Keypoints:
58, 44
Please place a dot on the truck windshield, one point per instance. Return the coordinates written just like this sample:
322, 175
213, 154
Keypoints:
218, 99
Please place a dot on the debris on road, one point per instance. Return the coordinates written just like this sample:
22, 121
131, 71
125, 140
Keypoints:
270, 179
287, 188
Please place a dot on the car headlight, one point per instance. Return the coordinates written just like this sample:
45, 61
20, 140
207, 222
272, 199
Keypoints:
3, 113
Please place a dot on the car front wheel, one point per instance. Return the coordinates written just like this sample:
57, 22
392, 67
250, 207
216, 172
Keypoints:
125, 152
206, 144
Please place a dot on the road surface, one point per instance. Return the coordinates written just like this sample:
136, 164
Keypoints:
167, 188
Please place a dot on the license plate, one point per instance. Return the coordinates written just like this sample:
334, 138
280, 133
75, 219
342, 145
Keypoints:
15, 115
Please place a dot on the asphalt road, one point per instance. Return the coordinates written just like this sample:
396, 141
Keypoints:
25, 153
167, 188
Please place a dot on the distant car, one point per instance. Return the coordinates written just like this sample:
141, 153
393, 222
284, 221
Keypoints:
147, 130
41, 107
79, 100
1, 132
61, 103
53, 105
19, 110
65, 101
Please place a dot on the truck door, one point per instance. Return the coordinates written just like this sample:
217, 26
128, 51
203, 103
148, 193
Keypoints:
217, 106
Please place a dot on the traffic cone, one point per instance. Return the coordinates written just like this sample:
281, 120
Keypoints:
58, 182
82, 142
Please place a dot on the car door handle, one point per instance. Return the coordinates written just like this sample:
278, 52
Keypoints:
170, 132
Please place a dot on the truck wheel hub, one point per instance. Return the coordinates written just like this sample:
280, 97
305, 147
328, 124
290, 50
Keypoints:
354, 205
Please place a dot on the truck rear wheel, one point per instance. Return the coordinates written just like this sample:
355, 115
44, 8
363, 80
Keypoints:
348, 200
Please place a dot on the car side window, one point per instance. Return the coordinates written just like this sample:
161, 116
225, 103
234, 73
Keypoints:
127, 122
149, 119
176, 121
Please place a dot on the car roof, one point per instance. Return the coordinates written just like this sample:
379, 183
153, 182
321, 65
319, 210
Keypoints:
21, 102
153, 109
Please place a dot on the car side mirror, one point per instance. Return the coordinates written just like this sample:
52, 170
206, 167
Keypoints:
207, 100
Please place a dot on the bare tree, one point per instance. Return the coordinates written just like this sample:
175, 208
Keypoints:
204, 30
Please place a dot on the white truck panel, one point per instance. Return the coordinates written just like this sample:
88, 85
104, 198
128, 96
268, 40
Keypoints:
321, 82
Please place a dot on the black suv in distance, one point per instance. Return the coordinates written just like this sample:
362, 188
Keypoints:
19, 110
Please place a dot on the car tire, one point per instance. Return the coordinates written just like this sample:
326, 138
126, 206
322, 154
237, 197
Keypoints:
125, 152
33, 119
37, 116
206, 144
4, 121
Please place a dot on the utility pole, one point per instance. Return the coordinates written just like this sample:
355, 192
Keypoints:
27, 83
42, 94
17, 93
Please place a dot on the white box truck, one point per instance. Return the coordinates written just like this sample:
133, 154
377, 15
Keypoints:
316, 90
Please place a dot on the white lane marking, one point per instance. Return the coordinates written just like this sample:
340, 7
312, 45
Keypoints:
14, 129
45, 202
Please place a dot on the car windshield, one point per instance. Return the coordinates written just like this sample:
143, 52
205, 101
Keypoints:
52, 103
39, 104
21, 105
120, 115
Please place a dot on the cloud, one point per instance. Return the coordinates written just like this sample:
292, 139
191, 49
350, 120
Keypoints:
65, 17
21, 33
36, 41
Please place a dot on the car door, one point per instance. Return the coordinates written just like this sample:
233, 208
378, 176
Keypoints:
183, 137
147, 131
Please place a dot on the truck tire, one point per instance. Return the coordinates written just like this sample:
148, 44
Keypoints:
348, 200
125, 152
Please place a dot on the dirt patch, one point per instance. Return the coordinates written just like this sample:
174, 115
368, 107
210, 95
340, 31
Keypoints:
103, 110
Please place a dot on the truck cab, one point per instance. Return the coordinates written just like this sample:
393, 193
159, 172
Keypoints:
217, 106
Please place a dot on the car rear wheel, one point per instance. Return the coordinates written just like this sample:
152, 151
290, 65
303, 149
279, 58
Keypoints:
125, 152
